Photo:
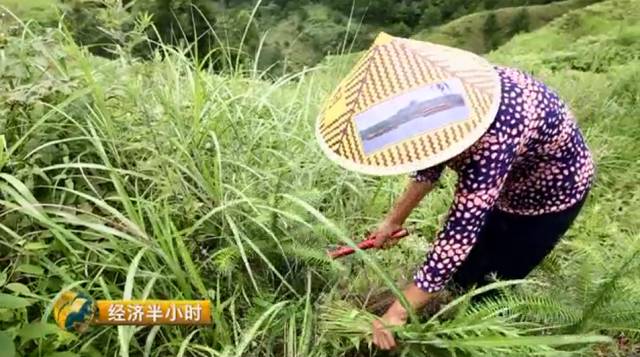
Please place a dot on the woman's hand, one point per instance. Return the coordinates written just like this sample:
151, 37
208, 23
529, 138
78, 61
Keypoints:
382, 234
397, 315
382, 337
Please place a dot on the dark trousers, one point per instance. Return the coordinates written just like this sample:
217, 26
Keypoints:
511, 246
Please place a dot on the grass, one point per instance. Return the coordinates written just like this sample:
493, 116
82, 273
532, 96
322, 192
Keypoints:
464, 32
36, 10
467, 32
161, 179
591, 40
16, 5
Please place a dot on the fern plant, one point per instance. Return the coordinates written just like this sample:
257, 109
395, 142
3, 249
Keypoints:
459, 329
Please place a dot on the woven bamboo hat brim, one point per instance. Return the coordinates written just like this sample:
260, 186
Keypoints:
408, 105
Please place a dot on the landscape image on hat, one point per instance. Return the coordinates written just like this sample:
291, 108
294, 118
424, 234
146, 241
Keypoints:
411, 114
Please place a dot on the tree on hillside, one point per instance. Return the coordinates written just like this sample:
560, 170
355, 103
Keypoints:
400, 29
520, 23
490, 32
431, 17
410, 13
380, 10
490, 4
450, 7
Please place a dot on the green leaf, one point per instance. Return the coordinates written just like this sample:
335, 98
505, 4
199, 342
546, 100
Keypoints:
558, 340
30, 269
6, 345
355, 341
7, 315
19, 288
35, 246
12, 302
36, 330
91, 351
3, 278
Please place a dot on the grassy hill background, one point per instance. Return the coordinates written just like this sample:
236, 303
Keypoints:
37, 10
474, 33
287, 36
595, 39
159, 177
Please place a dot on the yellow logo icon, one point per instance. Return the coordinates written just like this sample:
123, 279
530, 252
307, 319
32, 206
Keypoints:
77, 311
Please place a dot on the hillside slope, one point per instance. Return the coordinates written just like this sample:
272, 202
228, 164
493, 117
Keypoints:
160, 179
37, 10
592, 39
467, 31
296, 34
568, 40
591, 57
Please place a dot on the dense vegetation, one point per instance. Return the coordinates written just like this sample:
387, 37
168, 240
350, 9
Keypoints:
287, 36
158, 176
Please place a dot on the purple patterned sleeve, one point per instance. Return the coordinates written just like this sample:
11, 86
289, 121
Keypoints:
481, 177
531, 160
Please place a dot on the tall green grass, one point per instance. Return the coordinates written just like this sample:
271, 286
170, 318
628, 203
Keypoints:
161, 179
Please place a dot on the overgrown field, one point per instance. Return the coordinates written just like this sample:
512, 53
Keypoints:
161, 179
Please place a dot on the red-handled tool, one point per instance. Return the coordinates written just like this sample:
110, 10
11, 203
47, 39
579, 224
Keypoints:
365, 244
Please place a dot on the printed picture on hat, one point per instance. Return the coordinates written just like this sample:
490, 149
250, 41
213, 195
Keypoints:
411, 114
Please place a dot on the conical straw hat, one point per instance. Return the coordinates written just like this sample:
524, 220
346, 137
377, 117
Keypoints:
408, 105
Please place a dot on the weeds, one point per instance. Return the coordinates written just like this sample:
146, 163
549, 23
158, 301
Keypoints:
161, 179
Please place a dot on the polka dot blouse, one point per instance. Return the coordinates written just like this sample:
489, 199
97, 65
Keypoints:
532, 160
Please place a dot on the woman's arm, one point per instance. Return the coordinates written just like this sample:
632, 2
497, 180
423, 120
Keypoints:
413, 194
480, 181
419, 187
